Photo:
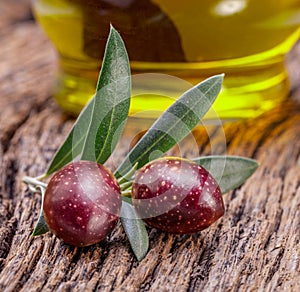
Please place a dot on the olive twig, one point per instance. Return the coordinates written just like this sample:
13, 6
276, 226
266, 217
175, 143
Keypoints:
126, 193
124, 186
32, 181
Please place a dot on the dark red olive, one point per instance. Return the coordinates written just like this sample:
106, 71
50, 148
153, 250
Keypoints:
82, 203
177, 195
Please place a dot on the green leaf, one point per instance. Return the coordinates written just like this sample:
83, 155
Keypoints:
135, 229
128, 176
111, 102
114, 79
73, 144
174, 124
229, 171
41, 226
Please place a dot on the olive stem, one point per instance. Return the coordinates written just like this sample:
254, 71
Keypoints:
128, 175
33, 189
124, 186
126, 193
33, 181
40, 177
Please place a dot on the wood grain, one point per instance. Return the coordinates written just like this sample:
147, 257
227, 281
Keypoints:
254, 247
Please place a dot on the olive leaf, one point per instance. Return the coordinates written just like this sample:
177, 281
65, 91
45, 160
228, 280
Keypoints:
70, 149
111, 102
127, 177
229, 171
41, 226
135, 229
100, 124
174, 124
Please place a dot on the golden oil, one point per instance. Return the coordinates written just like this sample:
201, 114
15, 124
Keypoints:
192, 40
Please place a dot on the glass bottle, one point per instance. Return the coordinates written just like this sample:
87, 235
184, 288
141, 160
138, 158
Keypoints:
191, 40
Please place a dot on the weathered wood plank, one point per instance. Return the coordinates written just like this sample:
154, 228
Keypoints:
27, 66
14, 11
255, 243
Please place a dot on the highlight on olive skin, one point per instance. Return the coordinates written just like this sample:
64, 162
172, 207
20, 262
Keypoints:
82, 203
177, 196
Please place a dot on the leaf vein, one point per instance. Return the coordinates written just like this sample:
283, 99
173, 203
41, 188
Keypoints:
112, 114
172, 127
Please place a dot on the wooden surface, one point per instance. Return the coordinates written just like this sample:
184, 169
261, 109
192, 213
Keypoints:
254, 247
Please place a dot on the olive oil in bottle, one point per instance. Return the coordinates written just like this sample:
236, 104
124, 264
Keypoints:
190, 40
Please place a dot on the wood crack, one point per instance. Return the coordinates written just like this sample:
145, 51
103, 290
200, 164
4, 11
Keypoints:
7, 233
276, 265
